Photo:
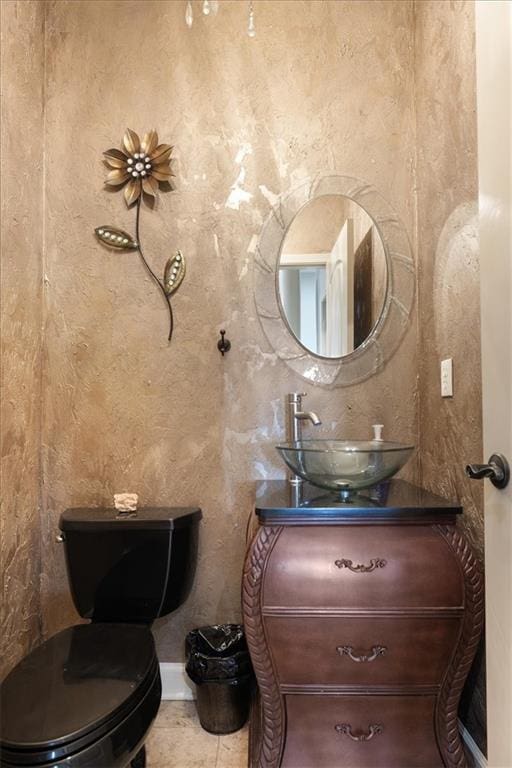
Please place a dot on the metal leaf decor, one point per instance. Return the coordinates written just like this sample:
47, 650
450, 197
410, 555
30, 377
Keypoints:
174, 272
115, 238
141, 167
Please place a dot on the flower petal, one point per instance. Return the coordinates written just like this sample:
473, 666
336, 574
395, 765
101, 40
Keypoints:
132, 191
150, 185
117, 177
131, 142
149, 142
162, 149
162, 167
161, 175
115, 158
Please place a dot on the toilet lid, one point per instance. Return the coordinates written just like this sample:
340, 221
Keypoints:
75, 682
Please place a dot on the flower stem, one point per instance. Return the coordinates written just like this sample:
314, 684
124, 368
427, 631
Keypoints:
155, 278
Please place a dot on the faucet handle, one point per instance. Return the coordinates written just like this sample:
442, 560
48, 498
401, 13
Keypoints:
295, 397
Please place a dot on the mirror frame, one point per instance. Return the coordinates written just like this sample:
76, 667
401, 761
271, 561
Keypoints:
371, 356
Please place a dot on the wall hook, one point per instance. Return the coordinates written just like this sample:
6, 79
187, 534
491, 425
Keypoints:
223, 345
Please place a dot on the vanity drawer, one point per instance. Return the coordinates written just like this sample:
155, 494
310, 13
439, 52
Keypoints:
393, 732
361, 651
362, 567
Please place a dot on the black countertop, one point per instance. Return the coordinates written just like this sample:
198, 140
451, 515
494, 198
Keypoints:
277, 501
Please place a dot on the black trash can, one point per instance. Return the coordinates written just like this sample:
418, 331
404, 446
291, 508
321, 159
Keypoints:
218, 662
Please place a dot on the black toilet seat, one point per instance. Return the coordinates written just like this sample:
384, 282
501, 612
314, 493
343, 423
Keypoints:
73, 689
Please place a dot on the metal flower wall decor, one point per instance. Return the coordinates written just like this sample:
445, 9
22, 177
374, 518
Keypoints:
142, 168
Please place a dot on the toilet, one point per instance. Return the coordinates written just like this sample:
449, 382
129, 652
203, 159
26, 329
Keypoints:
86, 698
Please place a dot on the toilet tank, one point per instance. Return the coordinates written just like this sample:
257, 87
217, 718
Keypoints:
130, 567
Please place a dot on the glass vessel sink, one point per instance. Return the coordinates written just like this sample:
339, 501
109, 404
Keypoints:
345, 465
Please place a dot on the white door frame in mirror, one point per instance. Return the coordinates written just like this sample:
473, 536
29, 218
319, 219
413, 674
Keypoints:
385, 337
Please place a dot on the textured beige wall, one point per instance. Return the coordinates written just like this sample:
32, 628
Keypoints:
324, 87
449, 326
22, 65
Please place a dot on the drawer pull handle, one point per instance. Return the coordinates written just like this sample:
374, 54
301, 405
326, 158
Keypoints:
376, 651
375, 562
344, 729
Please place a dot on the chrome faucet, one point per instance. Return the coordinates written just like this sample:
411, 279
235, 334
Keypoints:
295, 418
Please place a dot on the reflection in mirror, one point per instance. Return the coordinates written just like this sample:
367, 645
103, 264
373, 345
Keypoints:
332, 276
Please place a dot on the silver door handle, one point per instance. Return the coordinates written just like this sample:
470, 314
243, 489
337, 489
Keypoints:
497, 470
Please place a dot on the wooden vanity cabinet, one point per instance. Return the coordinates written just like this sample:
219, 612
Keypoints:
362, 621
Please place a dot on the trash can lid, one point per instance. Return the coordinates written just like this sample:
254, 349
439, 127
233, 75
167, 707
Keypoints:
221, 638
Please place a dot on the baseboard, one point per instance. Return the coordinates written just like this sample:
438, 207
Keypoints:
176, 685
480, 761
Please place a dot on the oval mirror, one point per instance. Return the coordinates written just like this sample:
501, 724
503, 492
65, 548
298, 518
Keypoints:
332, 277
371, 290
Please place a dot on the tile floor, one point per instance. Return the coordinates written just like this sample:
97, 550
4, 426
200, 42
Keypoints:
178, 741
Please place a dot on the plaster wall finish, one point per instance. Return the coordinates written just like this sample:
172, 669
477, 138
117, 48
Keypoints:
449, 301
22, 66
324, 87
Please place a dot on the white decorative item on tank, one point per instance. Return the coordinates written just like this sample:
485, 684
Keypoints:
126, 502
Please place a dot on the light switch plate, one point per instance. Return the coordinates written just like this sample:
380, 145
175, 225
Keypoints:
447, 377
